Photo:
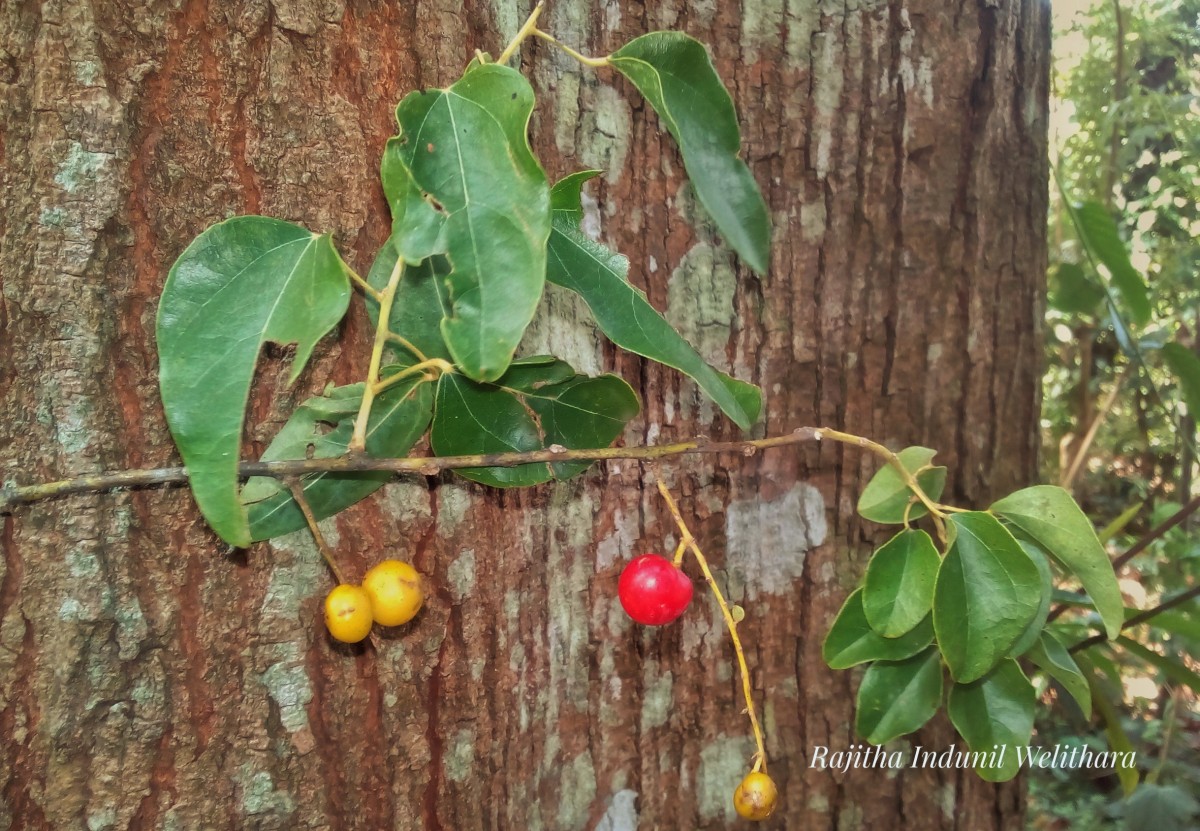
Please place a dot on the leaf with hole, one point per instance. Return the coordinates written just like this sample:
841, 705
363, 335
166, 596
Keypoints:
675, 74
1049, 516
322, 426
539, 402
852, 641
898, 589
623, 313
898, 697
886, 497
240, 284
461, 181
996, 710
988, 590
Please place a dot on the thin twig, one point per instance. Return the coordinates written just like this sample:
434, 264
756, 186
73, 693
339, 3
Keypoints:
1090, 436
527, 29
1142, 617
358, 441
297, 490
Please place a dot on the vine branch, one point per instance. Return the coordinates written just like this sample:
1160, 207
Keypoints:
1141, 617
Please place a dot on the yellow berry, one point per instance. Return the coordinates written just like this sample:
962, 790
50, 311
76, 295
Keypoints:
755, 796
395, 591
348, 613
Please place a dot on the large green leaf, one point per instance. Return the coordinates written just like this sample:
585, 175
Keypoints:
1053, 658
1034, 630
675, 74
623, 313
241, 283
898, 589
1049, 516
399, 416
898, 697
1185, 366
988, 590
1099, 234
886, 497
538, 403
852, 641
462, 181
996, 710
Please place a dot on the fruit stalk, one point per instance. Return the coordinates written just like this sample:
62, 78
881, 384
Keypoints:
760, 758
297, 490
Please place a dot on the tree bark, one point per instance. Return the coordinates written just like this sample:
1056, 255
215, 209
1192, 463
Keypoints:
152, 679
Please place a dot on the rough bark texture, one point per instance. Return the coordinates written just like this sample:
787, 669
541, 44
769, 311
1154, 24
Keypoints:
149, 678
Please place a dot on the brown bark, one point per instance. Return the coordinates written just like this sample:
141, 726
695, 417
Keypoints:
149, 678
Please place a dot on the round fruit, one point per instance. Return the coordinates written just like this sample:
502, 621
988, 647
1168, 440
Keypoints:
395, 591
755, 796
653, 590
348, 613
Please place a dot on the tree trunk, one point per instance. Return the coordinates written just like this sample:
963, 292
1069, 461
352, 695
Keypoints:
151, 678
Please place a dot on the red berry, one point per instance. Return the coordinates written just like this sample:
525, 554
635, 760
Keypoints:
653, 590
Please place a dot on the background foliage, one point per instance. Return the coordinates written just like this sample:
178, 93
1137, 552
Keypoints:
1122, 390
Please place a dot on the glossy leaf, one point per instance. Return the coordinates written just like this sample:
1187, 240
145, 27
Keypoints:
1185, 366
995, 710
1099, 234
675, 74
538, 403
1074, 292
898, 697
886, 497
461, 181
1052, 657
1049, 516
988, 590
898, 589
1034, 630
623, 313
241, 283
852, 641
399, 417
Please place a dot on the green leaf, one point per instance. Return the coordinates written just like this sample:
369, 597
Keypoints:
1053, 658
538, 403
851, 640
1118, 739
623, 313
398, 419
675, 74
461, 181
1049, 516
886, 497
898, 589
898, 697
1185, 366
420, 305
1183, 622
1173, 669
1099, 234
988, 590
241, 283
1160, 808
1074, 292
1034, 630
996, 710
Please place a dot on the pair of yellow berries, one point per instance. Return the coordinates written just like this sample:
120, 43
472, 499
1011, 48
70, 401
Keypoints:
390, 595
